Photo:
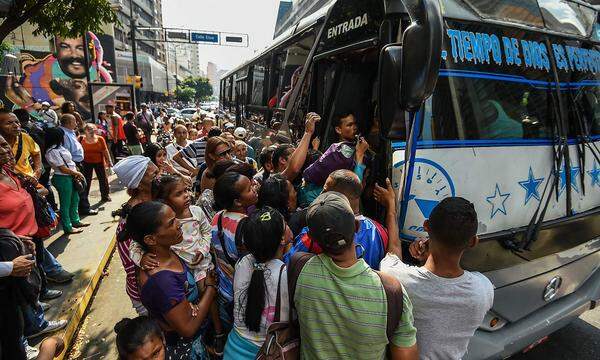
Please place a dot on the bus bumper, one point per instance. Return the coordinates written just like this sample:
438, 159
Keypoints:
515, 337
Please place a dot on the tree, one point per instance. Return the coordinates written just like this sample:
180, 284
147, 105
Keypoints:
65, 18
185, 93
202, 86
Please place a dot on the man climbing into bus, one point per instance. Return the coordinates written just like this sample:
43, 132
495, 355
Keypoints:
440, 283
348, 153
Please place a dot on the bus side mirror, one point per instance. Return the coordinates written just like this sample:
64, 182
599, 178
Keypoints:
390, 66
421, 60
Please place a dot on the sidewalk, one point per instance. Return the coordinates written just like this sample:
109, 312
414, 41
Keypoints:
86, 255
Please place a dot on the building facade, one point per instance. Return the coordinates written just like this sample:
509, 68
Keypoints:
151, 55
289, 15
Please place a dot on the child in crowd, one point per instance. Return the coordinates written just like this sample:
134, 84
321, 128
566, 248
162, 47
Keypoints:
158, 155
260, 284
140, 338
194, 250
348, 153
234, 193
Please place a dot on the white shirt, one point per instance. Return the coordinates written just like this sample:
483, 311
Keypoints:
6, 267
446, 311
60, 156
241, 281
172, 149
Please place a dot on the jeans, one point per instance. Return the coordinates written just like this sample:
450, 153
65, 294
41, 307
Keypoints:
50, 265
33, 317
69, 201
88, 170
45, 181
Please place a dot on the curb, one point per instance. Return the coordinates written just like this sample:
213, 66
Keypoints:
81, 307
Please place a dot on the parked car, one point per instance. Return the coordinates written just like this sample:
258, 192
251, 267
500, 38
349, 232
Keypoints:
187, 113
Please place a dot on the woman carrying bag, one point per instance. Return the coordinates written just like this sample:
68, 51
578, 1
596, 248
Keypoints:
66, 179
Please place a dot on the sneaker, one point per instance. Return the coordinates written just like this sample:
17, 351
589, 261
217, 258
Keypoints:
51, 294
60, 277
53, 325
31, 352
44, 306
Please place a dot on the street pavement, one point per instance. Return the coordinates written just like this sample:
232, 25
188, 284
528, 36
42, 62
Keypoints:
84, 255
96, 338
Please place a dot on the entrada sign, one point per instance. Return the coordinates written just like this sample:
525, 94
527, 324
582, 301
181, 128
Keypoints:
346, 26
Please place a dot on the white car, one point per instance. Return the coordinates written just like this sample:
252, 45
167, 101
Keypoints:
187, 113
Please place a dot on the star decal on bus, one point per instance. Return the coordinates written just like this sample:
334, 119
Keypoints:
595, 175
562, 175
498, 201
531, 186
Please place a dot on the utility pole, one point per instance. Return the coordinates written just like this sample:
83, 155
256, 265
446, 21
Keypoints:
136, 71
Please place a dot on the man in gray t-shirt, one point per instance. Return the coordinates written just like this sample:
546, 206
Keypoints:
449, 302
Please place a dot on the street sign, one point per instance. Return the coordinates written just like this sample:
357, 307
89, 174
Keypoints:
204, 37
233, 39
175, 35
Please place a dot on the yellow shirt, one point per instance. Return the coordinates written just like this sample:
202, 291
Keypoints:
30, 148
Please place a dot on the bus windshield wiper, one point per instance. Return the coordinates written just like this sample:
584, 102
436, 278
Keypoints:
533, 229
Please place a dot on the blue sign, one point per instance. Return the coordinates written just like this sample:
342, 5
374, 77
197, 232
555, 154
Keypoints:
204, 37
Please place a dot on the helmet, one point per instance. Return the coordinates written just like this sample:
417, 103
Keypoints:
240, 133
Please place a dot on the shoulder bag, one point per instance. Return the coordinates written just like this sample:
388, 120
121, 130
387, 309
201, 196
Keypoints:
283, 337
80, 184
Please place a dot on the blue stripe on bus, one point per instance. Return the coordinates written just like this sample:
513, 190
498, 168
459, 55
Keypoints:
515, 78
429, 144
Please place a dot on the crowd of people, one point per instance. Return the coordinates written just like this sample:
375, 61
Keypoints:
230, 236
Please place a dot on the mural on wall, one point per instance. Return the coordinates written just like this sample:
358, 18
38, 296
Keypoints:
60, 76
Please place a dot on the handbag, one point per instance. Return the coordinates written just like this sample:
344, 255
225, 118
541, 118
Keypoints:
79, 184
44, 215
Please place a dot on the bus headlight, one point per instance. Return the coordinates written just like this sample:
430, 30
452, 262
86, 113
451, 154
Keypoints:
492, 322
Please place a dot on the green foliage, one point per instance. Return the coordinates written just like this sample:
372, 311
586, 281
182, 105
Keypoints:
65, 18
202, 87
4, 49
185, 93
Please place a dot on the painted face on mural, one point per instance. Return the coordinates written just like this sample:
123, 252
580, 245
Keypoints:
73, 90
70, 56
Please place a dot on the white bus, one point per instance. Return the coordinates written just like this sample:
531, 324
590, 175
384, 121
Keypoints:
494, 101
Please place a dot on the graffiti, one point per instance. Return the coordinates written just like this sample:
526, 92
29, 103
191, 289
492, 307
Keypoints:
61, 75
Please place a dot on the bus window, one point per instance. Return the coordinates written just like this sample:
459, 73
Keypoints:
520, 11
293, 59
567, 17
581, 92
258, 83
466, 108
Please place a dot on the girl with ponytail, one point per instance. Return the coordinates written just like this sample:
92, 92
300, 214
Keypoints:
259, 278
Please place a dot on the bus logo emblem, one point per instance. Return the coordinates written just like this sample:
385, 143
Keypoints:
551, 289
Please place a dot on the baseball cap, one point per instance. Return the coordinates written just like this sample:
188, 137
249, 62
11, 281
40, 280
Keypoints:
143, 105
240, 133
229, 126
45, 103
330, 221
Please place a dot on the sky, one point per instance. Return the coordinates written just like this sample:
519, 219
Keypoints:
253, 17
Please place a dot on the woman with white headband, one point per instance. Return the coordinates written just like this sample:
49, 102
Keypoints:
136, 173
